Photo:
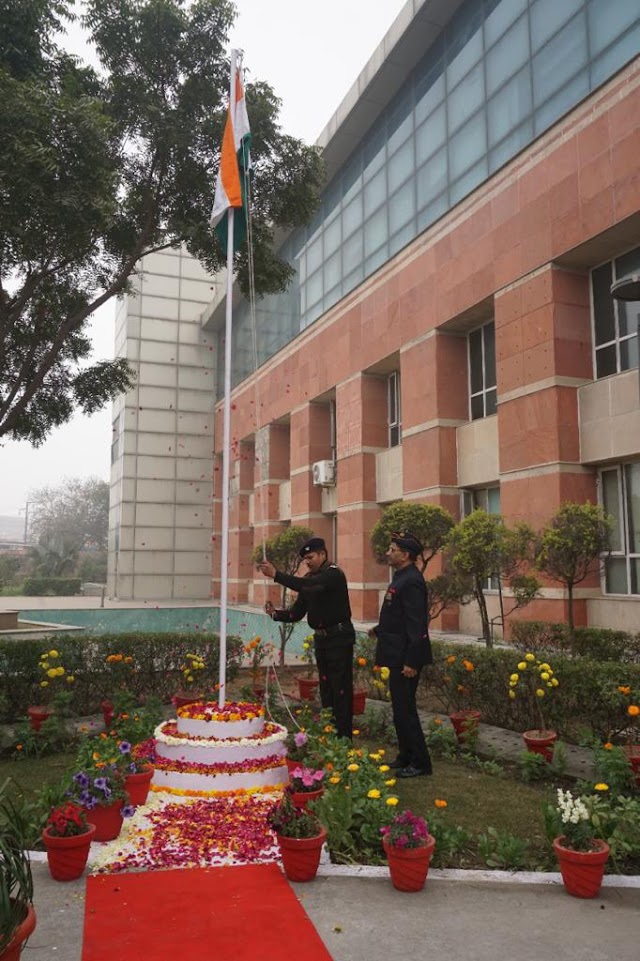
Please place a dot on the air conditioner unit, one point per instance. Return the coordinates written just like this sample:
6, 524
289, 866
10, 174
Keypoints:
324, 473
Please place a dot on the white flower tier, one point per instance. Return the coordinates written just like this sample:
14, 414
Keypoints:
244, 753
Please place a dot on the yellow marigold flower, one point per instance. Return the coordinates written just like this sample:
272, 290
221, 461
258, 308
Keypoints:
514, 678
53, 654
95, 756
392, 801
355, 732
383, 768
545, 667
607, 746
44, 684
529, 657
52, 672
375, 757
633, 710
381, 751
60, 671
391, 782
601, 786
306, 645
353, 767
440, 802
451, 659
373, 793
384, 673
539, 692
512, 695
70, 679
335, 779
554, 682
522, 666
545, 676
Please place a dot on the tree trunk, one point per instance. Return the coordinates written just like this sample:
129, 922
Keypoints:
571, 623
484, 617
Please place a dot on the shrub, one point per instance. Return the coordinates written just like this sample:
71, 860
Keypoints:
597, 643
59, 586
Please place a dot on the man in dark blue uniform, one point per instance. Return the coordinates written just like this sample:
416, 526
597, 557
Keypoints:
324, 597
403, 646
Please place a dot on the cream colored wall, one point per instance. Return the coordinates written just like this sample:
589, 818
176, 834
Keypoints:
617, 613
389, 475
478, 452
609, 411
161, 481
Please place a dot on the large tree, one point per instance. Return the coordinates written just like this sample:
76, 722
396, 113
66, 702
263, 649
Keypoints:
100, 167
76, 513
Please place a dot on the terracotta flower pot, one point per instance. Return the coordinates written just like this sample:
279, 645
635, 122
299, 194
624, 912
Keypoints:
292, 765
307, 687
37, 715
465, 724
24, 930
633, 756
137, 785
582, 871
67, 857
359, 701
540, 742
107, 713
300, 799
301, 856
408, 867
107, 820
182, 698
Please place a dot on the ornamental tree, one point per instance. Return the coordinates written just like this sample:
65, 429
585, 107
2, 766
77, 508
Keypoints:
100, 167
482, 547
571, 548
283, 551
430, 523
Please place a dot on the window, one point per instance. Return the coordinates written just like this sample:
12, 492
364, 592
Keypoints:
393, 409
615, 322
620, 489
486, 499
482, 371
115, 440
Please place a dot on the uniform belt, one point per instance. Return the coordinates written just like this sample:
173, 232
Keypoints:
340, 626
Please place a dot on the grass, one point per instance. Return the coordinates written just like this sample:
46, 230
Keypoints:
33, 773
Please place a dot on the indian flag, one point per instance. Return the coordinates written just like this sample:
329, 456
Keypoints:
234, 161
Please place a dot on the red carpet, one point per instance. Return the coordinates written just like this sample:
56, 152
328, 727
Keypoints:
205, 914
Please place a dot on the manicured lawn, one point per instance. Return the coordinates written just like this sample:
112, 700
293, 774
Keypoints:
34, 773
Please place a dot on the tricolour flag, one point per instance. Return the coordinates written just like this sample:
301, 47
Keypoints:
234, 161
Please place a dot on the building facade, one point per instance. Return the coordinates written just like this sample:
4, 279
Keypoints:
449, 336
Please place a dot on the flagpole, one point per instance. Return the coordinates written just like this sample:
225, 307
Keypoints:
226, 429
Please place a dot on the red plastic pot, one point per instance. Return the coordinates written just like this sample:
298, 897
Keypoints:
465, 724
300, 799
408, 867
307, 687
137, 785
582, 871
301, 856
359, 701
633, 756
24, 930
67, 857
181, 700
37, 715
107, 713
540, 742
107, 820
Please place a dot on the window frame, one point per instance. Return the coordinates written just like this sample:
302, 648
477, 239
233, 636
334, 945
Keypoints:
485, 390
625, 553
617, 340
394, 410
468, 504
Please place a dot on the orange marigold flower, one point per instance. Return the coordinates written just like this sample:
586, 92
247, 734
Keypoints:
469, 665
624, 689
362, 661
18, 747
633, 710
440, 802
451, 659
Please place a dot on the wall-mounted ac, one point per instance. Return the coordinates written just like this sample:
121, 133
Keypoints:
324, 473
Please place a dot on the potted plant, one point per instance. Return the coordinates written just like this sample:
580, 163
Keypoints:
409, 848
191, 668
298, 748
53, 678
67, 838
581, 856
459, 676
532, 681
305, 784
254, 653
362, 668
307, 685
132, 727
120, 667
300, 837
631, 713
17, 917
99, 785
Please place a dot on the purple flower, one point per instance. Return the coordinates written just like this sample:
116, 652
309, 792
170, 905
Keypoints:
85, 798
133, 767
90, 803
300, 739
101, 784
124, 747
128, 811
80, 779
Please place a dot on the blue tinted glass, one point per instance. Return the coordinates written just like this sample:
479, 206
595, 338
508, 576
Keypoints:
432, 134
547, 16
467, 145
508, 55
314, 255
612, 59
462, 40
352, 252
332, 236
563, 101
377, 259
352, 280
432, 211
352, 178
400, 165
400, 123
466, 98
560, 60
608, 20
510, 146
465, 59
313, 287
332, 270
374, 152
375, 192
432, 178
402, 207
510, 106
352, 216
429, 93
402, 238
375, 231
501, 18
460, 188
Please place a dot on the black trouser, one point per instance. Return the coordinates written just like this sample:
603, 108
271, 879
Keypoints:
412, 748
335, 669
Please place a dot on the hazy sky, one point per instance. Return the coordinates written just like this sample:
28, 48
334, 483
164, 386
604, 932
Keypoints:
310, 54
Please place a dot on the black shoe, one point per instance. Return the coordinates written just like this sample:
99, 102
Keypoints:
412, 772
397, 764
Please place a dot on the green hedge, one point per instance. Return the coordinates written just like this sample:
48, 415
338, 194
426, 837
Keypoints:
587, 701
596, 643
157, 661
58, 586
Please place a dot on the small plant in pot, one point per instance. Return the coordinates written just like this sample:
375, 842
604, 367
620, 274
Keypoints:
67, 838
305, 784
581, 855
17, 917
300, 837
459, 676
409, 848
531, 682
